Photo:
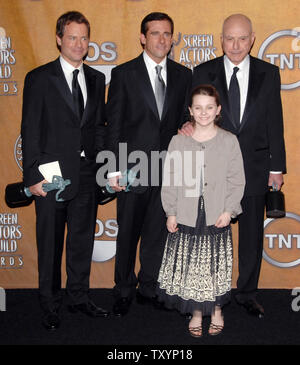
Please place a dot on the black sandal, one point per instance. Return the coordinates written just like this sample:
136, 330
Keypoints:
196, 331
218, 329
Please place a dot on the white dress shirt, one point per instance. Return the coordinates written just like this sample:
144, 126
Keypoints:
242, 77
243, 80
150, 65
68, 72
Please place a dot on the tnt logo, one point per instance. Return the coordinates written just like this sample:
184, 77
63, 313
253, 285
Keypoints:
282, 241
2, 300
282, 49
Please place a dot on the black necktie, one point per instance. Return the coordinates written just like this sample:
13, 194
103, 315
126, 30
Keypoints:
160, 88
235, 98
77, 95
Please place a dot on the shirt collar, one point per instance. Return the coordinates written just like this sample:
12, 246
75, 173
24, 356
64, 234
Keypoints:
229, 66
151, 64
67, 67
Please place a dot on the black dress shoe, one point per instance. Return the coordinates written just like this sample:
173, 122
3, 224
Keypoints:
121, 307
51, 321
253, 308
89, 308
141, 299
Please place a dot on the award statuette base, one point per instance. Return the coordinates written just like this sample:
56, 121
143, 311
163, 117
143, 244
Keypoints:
275, 204
104, 196
127, 180
15, 195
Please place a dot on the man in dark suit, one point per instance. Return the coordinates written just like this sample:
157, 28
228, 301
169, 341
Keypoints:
249, 90
63, 120
144, 110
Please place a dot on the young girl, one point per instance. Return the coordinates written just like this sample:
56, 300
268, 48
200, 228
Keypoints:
202, 188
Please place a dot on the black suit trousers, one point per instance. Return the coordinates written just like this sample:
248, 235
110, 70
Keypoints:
139, 215
251, 236
79, 215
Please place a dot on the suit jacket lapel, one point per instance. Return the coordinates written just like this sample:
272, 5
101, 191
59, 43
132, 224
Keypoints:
144, 82
171, 87
256, 79
91, 95
219, 80
60, 81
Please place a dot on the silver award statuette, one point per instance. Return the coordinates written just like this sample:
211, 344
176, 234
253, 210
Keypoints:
58, 183
127, 180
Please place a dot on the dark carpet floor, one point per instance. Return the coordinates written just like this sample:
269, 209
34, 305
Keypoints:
20, 324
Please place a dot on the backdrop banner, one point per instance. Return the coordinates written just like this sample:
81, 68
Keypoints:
27, 40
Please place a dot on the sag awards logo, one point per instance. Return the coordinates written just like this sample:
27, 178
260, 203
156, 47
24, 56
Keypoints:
106, 51
105, 250
10, 236
195, 49
7, 60
282, 49
282, 241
